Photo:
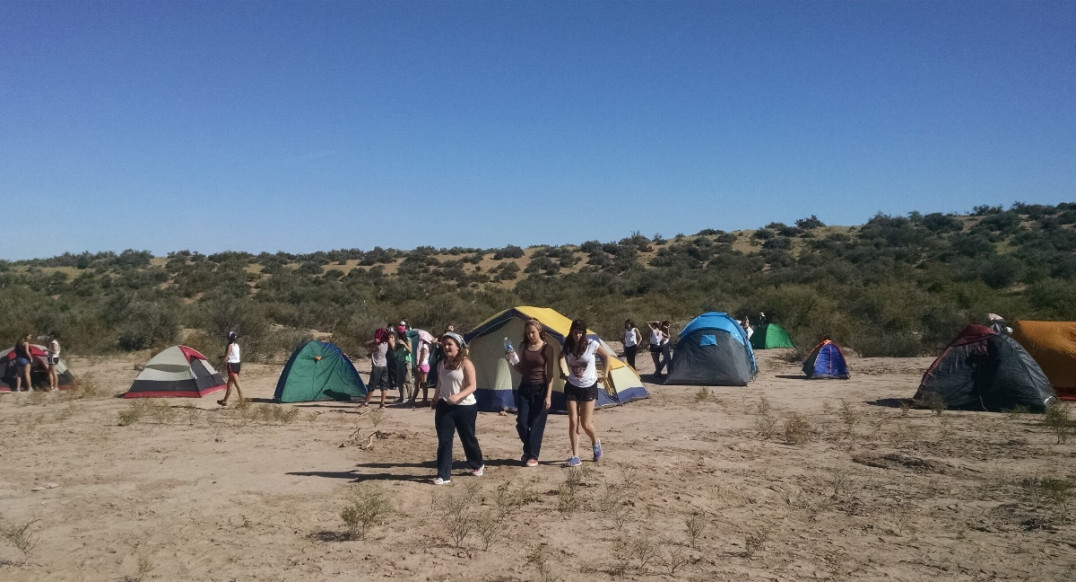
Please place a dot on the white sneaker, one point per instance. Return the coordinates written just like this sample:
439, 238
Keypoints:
479, 471
440, 481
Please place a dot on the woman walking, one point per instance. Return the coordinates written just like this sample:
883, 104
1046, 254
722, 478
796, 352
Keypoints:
632, 339
533, 397
379, 365
580, 357
456, 408
23, 362
232, 363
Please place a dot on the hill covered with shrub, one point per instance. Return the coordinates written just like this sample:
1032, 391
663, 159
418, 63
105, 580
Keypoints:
897, 285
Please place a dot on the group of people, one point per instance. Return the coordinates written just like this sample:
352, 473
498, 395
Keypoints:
456, 408
401, 364
24, 362
660, 346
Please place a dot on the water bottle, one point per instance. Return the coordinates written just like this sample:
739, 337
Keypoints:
510, 352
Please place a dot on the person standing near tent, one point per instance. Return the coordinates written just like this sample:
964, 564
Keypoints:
535, 392
23, 362
456, 408
579, 361
657, 338
666, 346
232, 363
54, 360
632, 339
746, 325
421, 359
379, 362
402, 351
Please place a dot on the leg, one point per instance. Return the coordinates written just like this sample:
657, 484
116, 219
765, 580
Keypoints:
656, 356
573, 422
537, 419
629, 355
523, 427
445, 423
233, 379
586, 419
466, 416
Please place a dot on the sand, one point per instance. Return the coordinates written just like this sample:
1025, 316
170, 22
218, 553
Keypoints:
786, 479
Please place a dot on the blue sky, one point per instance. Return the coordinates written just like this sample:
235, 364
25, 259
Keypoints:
305, 126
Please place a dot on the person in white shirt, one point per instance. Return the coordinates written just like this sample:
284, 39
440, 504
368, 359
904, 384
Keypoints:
632, 339
231, 366
456, 409
579, 370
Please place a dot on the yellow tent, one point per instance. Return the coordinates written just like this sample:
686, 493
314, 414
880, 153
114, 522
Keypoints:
496, 379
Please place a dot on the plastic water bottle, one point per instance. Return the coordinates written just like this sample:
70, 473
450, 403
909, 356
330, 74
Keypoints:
510, 352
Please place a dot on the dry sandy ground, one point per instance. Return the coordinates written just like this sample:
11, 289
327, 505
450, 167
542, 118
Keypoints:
696, 484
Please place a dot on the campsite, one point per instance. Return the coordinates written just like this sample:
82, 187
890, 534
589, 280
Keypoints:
784, 479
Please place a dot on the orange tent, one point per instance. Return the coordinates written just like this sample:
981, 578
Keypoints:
1053, 345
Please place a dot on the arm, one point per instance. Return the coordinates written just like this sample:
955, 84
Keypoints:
638, 336
548, 349
607, 362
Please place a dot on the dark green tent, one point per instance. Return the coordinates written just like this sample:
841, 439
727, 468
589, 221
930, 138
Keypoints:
318, 371
770, 335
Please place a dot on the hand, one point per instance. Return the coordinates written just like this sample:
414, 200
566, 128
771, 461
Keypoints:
548, 404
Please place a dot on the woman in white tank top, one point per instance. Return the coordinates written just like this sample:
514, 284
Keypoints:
456, 408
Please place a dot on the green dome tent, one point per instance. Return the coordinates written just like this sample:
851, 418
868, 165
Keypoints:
770, 335
318, 371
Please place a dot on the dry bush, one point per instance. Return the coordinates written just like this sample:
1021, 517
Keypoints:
797, 429
1058, 421
368, 507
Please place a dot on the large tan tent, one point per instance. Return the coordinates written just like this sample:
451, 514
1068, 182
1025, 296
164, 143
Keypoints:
1053, 345
496, 379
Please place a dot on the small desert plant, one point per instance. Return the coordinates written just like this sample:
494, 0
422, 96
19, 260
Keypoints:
797, 429
694, 526
644, 551
611, 504
459, 518
490, 526
21, 537
674, 558
145, 566
1058, 421
850, 417
368, 507
839, 481
376, 416
933, 401
134, 412
755, 541
162, 413
538, 559
703, 394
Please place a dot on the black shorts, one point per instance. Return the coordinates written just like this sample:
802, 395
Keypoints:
577, 394
233, 368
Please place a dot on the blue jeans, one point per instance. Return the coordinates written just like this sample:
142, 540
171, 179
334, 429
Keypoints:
459, 419
531, 415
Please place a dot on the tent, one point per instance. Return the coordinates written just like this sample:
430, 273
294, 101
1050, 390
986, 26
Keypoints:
770, 335
826, 362
982, 369
176, 372
496, 379
1053, 345
318, 371
39, 369
713, 350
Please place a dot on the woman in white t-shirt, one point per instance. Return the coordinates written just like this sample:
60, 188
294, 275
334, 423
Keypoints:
579, 360
456, 408
632, 339
231, 368
657, 340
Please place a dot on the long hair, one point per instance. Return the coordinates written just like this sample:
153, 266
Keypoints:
570, 344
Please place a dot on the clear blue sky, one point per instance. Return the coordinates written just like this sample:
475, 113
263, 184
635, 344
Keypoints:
305, 126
